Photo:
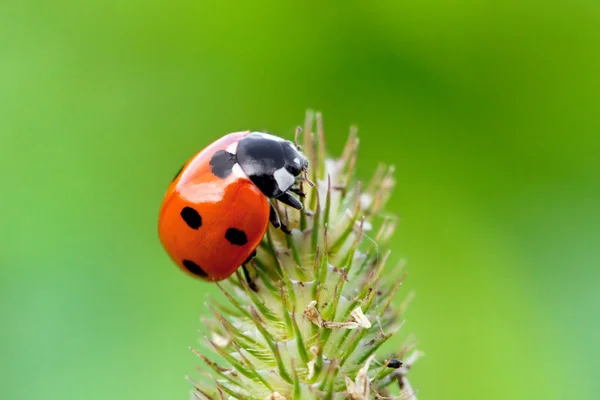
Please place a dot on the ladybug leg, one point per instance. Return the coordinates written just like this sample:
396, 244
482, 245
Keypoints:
274, 217
290, 200
298, 191
250, 257
249, 280
276, 221
251, 283
306, 178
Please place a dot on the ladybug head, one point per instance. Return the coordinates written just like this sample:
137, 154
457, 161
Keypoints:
270, 162
295, 161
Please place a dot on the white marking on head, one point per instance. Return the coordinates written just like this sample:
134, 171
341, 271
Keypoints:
284, 179
232, 148
252, 167
237, 171
297, 160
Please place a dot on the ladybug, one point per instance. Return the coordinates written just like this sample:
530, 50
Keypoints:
217, 209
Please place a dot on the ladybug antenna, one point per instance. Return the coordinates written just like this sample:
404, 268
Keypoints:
296, 134
311, 183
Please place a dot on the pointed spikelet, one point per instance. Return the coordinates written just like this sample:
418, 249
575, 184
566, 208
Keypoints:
325, 303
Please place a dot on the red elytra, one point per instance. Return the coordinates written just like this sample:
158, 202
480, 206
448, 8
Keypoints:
198, 244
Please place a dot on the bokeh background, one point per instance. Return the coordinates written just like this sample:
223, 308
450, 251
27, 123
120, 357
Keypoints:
489, 110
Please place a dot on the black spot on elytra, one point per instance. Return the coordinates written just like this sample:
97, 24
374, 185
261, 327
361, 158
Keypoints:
178, 172
191, 217
222, 162
236, 237
194, 268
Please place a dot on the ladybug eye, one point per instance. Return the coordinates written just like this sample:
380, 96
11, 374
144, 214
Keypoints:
294, 168
295, 162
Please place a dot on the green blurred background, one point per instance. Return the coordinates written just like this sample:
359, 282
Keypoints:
489, 110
